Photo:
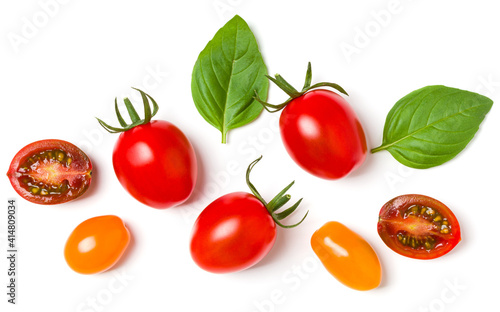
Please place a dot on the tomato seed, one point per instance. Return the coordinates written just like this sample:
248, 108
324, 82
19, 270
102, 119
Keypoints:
39, 187
416, 243
414, 210
60, 156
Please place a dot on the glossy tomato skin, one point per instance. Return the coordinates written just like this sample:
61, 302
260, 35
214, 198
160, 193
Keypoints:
323, 135
418, 220
96, 244
50, 172
231, 234
347, 256
156, 164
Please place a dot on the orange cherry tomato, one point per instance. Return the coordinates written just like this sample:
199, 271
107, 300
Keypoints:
347, 256
96, 244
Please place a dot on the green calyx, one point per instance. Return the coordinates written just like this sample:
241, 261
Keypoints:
136, 120
292, 92
277, 202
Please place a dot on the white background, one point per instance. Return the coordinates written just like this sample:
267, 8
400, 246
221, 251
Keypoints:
69, 68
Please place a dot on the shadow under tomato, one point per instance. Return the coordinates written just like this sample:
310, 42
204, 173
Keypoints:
278, 251
200, 180
365, 167
385, 278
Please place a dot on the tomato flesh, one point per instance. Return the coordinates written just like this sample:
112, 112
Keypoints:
156, 164
418, 226
347, 256
231, 234
323, 135
96, 244
50, 172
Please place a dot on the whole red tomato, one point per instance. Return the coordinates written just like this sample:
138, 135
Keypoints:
233, 233
319, 129
237, 230
153, 160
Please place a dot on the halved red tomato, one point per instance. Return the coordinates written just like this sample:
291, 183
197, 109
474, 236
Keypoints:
50, 172
418, 226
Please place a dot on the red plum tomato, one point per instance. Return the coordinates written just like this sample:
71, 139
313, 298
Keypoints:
323, 135
232, 234
156, 164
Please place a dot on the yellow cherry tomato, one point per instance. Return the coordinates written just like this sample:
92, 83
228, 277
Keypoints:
96, 244
347, 256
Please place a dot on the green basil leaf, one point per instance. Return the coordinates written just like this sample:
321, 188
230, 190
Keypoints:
430, 126
226, 75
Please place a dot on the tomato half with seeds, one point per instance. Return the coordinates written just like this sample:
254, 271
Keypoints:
50, 172
96, 244
418, 226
